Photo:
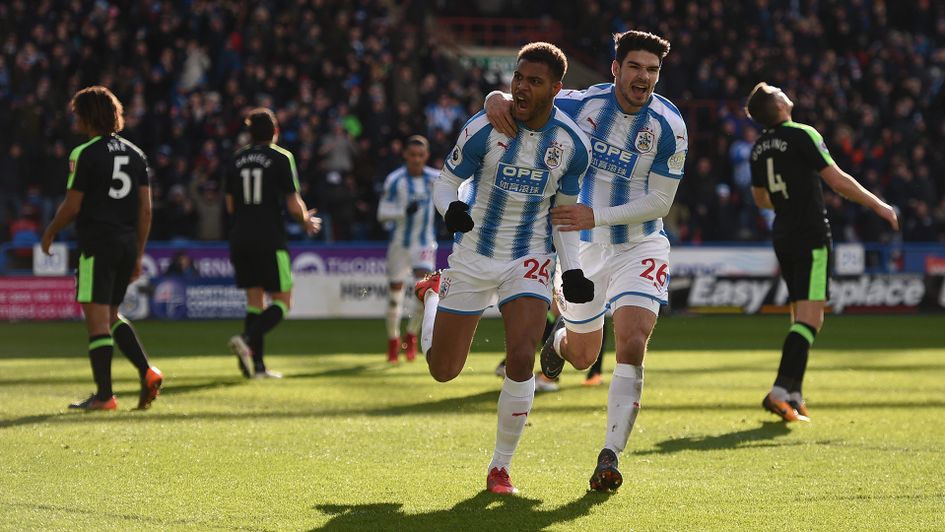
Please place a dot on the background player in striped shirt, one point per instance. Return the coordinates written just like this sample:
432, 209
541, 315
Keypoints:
495, 192
109, 197
406, 208
639, 145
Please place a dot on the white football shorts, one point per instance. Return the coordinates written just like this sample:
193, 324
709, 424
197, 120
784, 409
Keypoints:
627, 274
474, 282
402, 261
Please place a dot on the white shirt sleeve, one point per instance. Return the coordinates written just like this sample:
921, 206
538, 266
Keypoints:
567, 243
655, 204
446, 190
393, 204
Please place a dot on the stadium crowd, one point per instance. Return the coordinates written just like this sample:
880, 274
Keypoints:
350, 80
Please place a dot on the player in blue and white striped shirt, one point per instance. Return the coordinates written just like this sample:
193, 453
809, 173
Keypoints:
406, 209
495, 193
639, 144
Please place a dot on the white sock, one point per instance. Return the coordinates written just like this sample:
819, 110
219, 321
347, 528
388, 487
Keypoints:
395, 303
430, 300
556, 343
779, 394
515, 402
414, 315
796, 397
623, 405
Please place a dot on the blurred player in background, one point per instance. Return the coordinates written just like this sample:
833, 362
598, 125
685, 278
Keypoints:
787, 163
495, 193
261, 180
109, 197
406, 207
639, 144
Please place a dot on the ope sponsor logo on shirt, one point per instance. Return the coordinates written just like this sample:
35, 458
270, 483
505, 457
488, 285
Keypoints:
613, 159
529, 181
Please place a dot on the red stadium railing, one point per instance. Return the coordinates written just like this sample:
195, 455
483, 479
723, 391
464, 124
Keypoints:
509, 32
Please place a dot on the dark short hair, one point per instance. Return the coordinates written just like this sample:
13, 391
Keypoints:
628, 41
262, 125
762, 106
548, 54
99, 110
417, 140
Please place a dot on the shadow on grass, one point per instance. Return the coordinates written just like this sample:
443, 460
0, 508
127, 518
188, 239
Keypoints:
484, 511
769, 430
475, 403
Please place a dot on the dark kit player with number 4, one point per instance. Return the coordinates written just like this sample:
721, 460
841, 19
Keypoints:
787, 163
109, 197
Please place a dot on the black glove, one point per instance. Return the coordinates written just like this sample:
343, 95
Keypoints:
576, 287
412, 207
457, 218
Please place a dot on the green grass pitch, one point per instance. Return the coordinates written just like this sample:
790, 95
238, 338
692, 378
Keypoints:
348, 442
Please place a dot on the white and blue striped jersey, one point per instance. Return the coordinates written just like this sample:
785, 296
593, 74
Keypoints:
626, 149
510, 182
400, 190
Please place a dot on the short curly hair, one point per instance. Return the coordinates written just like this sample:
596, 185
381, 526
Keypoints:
548, 54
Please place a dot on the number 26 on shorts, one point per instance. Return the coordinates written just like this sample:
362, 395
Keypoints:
658, 277
537, 271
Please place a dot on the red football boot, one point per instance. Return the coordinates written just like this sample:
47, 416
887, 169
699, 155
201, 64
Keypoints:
498, 481
410, 347
150, 387
393, 350
430, 282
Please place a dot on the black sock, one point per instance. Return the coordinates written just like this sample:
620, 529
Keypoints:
794, 356
100, 354
252, 313
127, 339
263, 324
549, 325
257, 347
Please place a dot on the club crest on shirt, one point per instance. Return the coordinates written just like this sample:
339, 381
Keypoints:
644, 141
456, 157
553, 156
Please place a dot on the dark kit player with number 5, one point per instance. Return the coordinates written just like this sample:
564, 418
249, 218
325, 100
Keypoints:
109, 197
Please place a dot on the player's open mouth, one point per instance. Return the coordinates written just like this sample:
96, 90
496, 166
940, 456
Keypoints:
639, 91
521, 103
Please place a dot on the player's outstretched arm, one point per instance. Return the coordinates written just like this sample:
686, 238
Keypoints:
498, 107
65, 214
843, 183
300, 213
654, 204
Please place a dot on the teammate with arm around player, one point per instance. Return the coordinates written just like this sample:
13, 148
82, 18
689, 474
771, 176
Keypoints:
639, 142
